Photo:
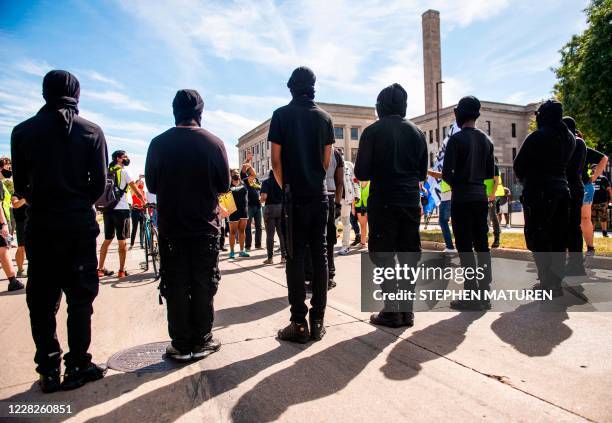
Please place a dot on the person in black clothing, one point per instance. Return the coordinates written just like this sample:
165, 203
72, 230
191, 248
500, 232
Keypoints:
392, 155
301, 134
61, 197
20, 208
546, 193
468, 162
272, 197
594, 165
601, 198
238, 219
254, 211
575, 264
188, 222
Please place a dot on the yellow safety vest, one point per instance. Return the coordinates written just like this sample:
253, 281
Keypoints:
6, 204
500, 188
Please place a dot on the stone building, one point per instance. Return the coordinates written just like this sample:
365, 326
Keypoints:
507, 124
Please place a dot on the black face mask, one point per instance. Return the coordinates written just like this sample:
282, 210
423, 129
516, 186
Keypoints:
235, 177
126, 162
7, 173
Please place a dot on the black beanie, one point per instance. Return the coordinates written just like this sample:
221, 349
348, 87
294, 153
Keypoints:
187, 105
549, 113
302, 82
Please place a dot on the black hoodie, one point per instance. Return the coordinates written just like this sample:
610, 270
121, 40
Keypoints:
392, 153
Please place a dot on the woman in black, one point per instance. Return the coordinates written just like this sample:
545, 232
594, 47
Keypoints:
272, 196
238, 219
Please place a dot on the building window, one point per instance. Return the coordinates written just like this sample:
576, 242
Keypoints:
338, 132
514, 130
354, 133
430, 136
354, 154
488, 127
513, 153
431, 159
443, 132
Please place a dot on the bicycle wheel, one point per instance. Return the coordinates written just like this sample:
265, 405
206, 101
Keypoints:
154, 252
147, 231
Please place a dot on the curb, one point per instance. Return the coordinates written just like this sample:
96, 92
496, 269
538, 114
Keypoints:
597, 262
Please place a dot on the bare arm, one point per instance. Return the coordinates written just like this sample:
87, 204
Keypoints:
339, 180
600, 168
137, 192
277, 165
435, 174
327, 156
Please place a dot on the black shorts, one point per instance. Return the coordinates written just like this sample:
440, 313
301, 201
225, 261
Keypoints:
20, 232
3, 242
117, 222
238, 214
361, 210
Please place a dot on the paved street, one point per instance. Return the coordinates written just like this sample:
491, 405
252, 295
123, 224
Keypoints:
518, 365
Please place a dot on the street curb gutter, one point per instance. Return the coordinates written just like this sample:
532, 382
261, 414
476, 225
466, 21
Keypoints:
525, 255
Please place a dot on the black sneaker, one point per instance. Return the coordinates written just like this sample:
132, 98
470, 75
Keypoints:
388, 319
78, 376
14, 284
295, 332
495, 243
332, 284
357, 240
177, 355
50, 382
604, 234
590, 252
408, 319
317, 329
206, 349
467, 305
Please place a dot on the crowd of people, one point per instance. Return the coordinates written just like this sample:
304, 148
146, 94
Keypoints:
310, 188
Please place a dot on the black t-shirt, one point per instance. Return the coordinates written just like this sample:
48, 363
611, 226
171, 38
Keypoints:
575, 167
393, 157
592, 157
20, 212
601, 190
187, 168
253, 193
273, 191
468, 161
303, 130
241, 194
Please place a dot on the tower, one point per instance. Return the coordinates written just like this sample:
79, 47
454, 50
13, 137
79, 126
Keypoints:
432, 59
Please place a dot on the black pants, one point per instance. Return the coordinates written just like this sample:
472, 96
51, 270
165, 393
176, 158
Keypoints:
137, 221
470, 228
546, 229
331, 236
272, 216
394, 235
69, 266
309, 227
254, 216
355, 224
189, 281
574, 232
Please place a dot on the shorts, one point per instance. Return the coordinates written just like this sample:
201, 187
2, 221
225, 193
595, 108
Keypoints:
3, 242
238, 214
599, 212
589, 192
20, 232
361, 210
117, 222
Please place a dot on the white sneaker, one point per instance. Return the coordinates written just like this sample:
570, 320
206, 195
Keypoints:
508, 227
450, 250
343, 251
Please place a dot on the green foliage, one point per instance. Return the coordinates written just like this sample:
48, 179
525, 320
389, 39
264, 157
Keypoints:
584, 78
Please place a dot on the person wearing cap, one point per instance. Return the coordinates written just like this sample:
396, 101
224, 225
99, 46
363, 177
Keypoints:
189, 224
392, 155
575, 261
468, 162
546, 193
301, 136
60, 196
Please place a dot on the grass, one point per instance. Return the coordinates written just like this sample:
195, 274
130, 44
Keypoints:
603, 246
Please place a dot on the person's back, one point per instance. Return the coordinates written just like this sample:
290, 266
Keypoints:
393, 153
468, 162
307, 129
187, 170
60, 190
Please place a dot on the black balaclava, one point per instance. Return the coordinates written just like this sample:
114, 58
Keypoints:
468, 108
570, 123
61, 91
187, 105
549, 113
392, 100
302, 82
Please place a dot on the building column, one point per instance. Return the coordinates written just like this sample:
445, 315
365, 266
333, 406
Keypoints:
347, 142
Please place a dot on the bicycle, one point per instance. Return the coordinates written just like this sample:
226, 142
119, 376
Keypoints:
151, 244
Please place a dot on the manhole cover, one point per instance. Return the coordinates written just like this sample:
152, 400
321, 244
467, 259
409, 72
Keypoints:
146, 358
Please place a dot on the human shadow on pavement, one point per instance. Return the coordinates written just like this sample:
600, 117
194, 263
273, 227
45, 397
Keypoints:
249, 312
316, 376
531, 330
170, 402
430, 343
92, 394
11, 293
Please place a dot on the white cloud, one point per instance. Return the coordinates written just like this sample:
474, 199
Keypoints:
117, 99
38, 68
96, 76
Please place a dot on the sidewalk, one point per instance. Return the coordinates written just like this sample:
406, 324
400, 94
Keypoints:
515, 366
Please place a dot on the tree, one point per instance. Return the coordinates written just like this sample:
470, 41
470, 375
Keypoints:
584, 77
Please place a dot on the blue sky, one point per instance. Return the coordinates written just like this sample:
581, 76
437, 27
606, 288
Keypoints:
132, 56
